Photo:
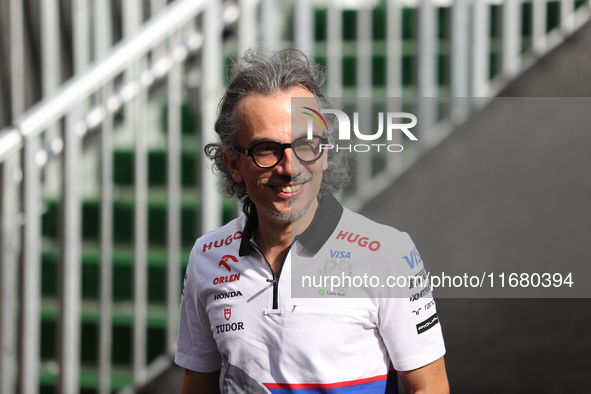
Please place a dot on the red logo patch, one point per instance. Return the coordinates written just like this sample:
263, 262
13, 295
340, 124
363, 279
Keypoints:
224, 261
221, 242
227, 313
363, 241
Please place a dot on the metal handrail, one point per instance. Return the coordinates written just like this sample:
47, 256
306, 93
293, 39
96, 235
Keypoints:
50, 109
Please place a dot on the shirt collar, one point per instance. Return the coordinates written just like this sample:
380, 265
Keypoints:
324, 223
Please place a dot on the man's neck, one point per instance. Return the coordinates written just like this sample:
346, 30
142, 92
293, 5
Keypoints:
274, 237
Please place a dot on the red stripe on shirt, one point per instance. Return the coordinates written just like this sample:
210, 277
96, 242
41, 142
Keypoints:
323, 385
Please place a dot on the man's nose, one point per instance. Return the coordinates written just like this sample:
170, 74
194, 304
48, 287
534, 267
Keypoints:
287, 165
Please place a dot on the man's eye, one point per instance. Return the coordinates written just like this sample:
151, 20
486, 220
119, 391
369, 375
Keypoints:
266, 149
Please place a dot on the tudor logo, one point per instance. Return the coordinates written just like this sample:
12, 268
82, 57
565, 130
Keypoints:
237, 326
224, 261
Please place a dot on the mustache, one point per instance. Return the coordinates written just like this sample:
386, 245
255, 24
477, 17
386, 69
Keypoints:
283, 179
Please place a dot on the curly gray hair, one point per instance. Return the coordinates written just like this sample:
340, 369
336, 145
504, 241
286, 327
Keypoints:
265, 73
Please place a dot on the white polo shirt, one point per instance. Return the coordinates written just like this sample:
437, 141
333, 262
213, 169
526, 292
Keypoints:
237, 316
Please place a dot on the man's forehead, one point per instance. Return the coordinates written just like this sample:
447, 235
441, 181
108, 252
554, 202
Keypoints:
258, 116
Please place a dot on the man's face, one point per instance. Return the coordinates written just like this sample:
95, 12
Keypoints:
287, 191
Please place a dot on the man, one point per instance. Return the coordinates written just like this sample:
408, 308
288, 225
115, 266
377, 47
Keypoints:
240, 329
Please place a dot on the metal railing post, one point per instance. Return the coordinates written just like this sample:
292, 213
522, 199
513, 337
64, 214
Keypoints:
71, 265
459, 60
539, 26
132, 11
174, 154
247, 26
31, 272
50, 47
102, 28
140, 285
9, 209
364, 89
17, 58
334, 47
427, 50
394, 70
157, 6
511, 35
81, 34
304, 27
567, 19
271, 23
106, 245
480, 48
427, 69
211, 66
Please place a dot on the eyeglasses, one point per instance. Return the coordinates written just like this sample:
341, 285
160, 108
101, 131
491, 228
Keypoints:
267, 154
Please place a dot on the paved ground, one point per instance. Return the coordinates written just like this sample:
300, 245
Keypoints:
512, 188
495, 195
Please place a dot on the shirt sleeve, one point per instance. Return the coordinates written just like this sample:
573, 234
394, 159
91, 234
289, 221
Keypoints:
409, 325
196, 347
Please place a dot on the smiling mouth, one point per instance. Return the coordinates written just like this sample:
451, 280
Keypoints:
288, 188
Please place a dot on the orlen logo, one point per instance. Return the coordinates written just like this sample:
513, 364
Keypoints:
361, 241
221, 242
227, 278
224, 261
345, 129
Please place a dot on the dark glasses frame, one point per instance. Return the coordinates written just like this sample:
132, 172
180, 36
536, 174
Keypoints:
250, 151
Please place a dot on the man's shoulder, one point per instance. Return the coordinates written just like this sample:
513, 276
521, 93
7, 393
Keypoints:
227, 237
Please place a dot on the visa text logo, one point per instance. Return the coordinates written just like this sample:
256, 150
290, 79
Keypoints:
413, 258
340, 254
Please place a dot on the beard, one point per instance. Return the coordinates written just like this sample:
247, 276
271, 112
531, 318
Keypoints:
288, 216
292, 214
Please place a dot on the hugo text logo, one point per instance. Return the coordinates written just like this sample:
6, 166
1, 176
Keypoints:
361, 241
227, 278
221, 242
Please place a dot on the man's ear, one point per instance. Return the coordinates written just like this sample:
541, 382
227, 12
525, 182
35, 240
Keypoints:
233, 166
325, 162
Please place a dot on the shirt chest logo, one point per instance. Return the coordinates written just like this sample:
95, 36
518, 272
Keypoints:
228, 327
224, 264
